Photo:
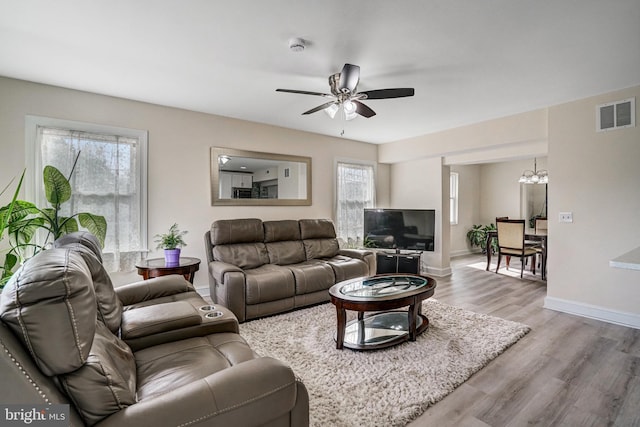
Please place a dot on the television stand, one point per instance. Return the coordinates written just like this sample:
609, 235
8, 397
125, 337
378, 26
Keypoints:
396, 262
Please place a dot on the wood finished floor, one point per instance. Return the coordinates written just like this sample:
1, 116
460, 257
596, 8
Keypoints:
568, 371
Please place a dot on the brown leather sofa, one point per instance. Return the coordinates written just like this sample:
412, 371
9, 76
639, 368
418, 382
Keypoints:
65, 340
259, 268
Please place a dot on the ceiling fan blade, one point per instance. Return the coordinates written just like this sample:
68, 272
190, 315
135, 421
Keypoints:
388, 93
349, 78
363, 110
320, 107
304, 92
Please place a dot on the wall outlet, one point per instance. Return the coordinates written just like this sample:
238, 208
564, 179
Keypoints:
566, 217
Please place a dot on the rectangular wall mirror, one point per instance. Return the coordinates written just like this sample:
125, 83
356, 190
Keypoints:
250, 178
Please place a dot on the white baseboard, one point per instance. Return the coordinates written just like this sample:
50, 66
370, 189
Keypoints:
631, 320
462, 252
439, 272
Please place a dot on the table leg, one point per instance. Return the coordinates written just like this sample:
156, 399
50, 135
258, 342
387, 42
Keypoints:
361, 329
413, 320
488, 246
543, 263
342, 325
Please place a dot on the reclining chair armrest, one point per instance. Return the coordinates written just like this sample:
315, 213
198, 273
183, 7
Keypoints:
228, 288
362, 254
251, 393
355, 253
158, 318
157, 287
173, 321
218, 269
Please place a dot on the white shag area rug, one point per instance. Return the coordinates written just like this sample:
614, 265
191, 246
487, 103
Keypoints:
388, 387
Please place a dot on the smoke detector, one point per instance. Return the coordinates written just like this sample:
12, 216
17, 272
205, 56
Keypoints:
296, 45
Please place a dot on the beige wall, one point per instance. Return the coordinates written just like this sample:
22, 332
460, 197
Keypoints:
502, 138
501, 191
469, 195
179, 142
419, 185
596, 175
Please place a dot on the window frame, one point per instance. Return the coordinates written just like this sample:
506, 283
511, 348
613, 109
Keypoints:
35, 193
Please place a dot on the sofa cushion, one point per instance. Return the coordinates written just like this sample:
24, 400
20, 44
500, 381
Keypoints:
268, 283
312, 276
319, 236
88, 246
284, 253
346, 268
165, 367
282, 239
244, 255
316, 229
321, 248
106, 383
50, 305
278, 231
227, 231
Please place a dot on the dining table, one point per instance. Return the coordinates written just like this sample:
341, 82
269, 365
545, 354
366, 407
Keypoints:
532, 235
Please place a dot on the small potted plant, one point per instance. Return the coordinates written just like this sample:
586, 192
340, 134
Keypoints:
171, 242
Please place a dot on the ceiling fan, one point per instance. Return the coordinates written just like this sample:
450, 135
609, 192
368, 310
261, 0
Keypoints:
344, 94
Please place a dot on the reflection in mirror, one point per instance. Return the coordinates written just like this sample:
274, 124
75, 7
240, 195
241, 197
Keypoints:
250, 178
533, 202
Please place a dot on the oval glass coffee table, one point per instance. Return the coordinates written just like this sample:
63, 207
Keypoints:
380, 294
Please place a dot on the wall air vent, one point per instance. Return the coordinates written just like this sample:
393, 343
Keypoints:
616, 115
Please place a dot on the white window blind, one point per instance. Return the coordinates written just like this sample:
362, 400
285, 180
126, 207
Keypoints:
355, 191
109, 180
453, 198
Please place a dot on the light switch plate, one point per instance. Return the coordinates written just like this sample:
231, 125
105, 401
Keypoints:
566, 217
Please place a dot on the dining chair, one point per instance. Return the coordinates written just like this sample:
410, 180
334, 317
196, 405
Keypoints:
511, 242
541, 225
500, 218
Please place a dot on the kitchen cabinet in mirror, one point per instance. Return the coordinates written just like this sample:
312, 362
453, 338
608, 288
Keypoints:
251, 178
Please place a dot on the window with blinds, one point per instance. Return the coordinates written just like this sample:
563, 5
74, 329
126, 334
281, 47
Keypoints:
109, 179
453, 198
355, 191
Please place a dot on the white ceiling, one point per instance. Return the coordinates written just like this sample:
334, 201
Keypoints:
468, 60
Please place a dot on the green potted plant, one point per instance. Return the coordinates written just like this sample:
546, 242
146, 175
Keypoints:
10, 260
477, 236
171, 242
23, 220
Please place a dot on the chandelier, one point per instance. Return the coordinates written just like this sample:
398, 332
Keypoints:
534, 176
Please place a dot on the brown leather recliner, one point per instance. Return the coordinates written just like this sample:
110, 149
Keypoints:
57, 346
148, 312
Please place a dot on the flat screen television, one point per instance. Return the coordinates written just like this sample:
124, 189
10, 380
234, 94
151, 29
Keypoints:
400, 229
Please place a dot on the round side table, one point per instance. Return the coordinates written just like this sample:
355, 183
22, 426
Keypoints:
156, 267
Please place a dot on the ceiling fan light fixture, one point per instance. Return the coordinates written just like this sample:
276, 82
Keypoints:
349, 110
344, 92
331, 110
